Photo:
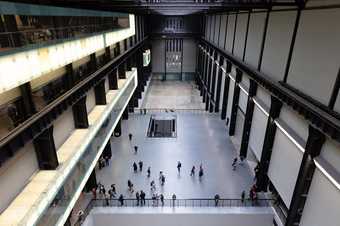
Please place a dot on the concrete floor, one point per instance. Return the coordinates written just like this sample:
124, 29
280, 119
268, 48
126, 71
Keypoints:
201, 138
173, 94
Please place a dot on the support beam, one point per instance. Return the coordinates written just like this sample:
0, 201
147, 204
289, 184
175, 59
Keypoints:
262, 179
70, 79
213, 83
121, 71
107, 54
234, 106
99, 92
226, 91
93, 62
314, 144
80, 114
219, 84
118, 129
45, 150
28, 104
248, 119
113, 79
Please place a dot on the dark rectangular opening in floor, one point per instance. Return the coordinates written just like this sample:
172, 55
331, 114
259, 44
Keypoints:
162, 126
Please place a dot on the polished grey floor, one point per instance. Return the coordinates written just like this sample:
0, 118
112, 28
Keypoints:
201, 139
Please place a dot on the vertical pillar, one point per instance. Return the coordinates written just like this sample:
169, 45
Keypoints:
121, 71
314, 144
248, 119
70, 80
28, 104
45, 150
11, 26
207, 80
91, 182
118, 129
213, 83
99, 93
113, 79
93, 62
274, 112
80, 114
107, 54
226, 91
107, 150
219, 84
234, 106
126, 113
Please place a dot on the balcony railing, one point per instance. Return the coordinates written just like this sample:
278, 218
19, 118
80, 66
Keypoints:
154, 203
10, 40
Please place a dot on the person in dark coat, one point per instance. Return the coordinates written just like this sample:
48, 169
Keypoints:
142, 198
179, 165
140, 163
217, 198
121, 200
137, 198
135, 167
136, 149
130, 136
192, 173
162, 199
149, 171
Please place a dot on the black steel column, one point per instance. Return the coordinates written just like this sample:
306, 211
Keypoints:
113, 79
28, 104
226, 91
207, 80
274, 112
107, 150
234, 106
107, 54
93, 62
248, 119
126, 113
70, 80
219, 84
314, 144
205, 74
99, 93
80, 114
213, 83
118, 129
91, 182
45, 150
121, 71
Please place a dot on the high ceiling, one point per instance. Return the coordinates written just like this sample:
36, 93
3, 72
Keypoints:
168, 7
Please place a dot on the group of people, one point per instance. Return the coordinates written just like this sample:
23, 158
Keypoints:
104, 161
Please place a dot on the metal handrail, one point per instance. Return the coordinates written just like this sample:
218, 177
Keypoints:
196, 202
169, 110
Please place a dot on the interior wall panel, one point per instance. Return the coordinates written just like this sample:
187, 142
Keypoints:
263, 95
90, 100
243, 100
158, 56
230, 32
106, 85
222, 31
63, 127
240, 35
277, 43
316, 55
239, 129
222, 90
230, 99
284, 166
15, 174
217, 27
323, 203
189, 55
257, 132
331, 153
255, 36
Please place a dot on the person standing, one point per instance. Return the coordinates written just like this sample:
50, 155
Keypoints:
179, 165
129, 185
192, 173
173, 200
149, 171
200, 173
160, 175
142, 198
217, 198
137, 198
162, 180
136, 149
140, 163
162, 199
234, 163
130, 136
243, 196
134, 167
113, 188
121, 200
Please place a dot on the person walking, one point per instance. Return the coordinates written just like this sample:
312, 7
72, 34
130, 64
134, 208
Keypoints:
134, 167
121, 200
192, 173
179, 165
149, 171
200, 173
130, 185
217, 198
162, 180
137, 198
162, 199
111, 194
130, 136
107, 160
113, 188
160, 175
136, 149
234, 163
153, 186
142, 198
140, 163
94, 193
243, 196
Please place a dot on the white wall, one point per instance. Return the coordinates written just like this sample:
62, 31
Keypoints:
90, 100
15, 174
316, 55
240, 35
63, 127
243, 100
257, 132
191, 217
222, 31
323, 203
230, 33
278, 39
189, 55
